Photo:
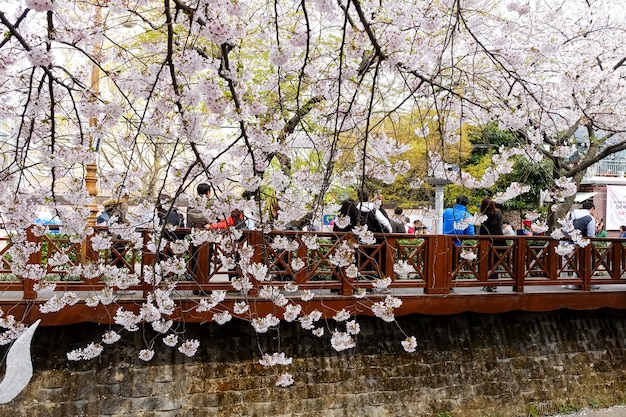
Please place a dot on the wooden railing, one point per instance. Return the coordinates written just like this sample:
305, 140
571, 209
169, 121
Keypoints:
438, 264
443, 279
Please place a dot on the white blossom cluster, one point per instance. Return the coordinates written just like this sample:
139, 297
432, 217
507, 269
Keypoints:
263, 324
189, 347
341, 341
343, 255
92, 350
13, 328
222, 317
308, 320
56, 303
409, 344
384, 309
275, 359
468, 255
292, 311
403, 268
381, 283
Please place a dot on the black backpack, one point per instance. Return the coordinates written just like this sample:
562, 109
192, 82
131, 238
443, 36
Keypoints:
369, 218
580, 224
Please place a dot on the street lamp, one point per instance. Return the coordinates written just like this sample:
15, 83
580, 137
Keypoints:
91, 174
438, 183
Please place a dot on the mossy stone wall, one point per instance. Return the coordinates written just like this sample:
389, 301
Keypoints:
470, 365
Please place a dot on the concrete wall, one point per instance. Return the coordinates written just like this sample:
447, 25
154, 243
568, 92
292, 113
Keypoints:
470, 365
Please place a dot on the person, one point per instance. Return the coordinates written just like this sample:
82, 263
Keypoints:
168, 216
116, 209
347, 209
622, 231
235, 219
365, 213
397, 221
457, 220
196, 219
527, 228
491, 226
507, 229
583, 221
167, 212
370, 216
409, 226
600, 230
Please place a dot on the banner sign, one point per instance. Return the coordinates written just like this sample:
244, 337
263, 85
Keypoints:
615, 206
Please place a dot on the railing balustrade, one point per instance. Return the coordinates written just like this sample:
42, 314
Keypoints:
320, 261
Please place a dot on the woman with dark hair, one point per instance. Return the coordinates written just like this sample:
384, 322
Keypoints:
492, 226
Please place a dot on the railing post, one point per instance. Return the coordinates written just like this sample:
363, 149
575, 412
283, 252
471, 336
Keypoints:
617, 259
585, 266
303, 254
347, 283
484, 259
33, 259
390, 248
147, 258
257, 242
439, 258
519, 268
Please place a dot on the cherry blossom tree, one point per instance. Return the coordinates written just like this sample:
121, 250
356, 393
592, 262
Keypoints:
227, 89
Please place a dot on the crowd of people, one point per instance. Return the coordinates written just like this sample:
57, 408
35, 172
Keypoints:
457, 220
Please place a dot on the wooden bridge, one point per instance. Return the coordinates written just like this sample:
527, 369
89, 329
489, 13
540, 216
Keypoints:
437, 277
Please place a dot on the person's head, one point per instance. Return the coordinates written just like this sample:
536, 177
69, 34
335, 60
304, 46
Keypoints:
120, 192
203, 189
487, 206
363, 195
622, 228
588, 205
164, 199
462, 200
397, 211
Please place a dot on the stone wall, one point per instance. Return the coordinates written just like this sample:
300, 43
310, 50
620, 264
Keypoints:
469, 365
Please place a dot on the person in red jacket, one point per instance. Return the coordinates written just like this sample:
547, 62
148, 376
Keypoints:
236, 219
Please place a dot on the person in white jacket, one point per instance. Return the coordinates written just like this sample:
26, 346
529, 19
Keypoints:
370, 215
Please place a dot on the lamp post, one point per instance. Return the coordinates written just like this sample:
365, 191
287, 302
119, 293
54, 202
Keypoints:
438, 183
91, 174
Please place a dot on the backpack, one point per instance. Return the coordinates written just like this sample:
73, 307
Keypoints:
195, 218
113, 210
369, 218
581, 223
103, 219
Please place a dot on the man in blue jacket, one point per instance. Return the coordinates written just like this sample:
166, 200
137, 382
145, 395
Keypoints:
457, 220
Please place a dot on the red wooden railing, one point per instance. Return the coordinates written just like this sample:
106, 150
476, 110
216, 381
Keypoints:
526, 266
